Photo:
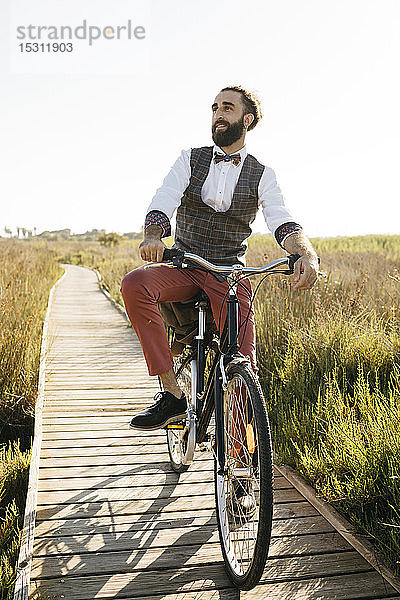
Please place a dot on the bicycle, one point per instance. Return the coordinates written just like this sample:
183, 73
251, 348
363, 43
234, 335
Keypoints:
217, 379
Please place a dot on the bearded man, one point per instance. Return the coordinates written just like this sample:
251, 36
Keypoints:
216, 192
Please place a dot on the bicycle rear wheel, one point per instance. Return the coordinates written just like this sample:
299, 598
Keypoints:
181, 437
244, 491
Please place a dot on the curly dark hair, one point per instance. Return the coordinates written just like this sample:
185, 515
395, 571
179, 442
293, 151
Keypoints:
250, 102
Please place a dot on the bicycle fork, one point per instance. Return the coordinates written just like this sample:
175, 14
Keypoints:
220, 381
219, 420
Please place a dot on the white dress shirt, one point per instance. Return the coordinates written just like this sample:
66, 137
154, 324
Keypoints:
218, 189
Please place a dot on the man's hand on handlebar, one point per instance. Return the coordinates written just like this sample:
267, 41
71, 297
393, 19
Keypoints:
152, 248
306, 267
305, 272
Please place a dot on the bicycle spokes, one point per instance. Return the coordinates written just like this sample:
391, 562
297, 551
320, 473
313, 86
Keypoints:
181, 437
240, 432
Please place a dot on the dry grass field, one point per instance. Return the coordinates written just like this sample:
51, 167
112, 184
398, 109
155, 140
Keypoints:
28, 270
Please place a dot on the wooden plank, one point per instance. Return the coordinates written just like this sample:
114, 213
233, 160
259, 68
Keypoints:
92, 419
109, 472
88, 434
67, 411
132, 379
212, 576
174, 553
129, 481
79, 416
105, 423
150, 492
156, 434
101, 509
153, 506
63, 370
123, 544
106, 459
101, 395
305, 525
334, 588
108, 442
159, 473
86, 388
111, 440
49, 453
170, 510
131, 456
69, 375
139, 444
108, 450
69, 482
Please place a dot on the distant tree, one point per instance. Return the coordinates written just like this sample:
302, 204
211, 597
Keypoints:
34, 231
58, 234
23, 231
62, 233
7, 231
134, 235
109, 239
18, 229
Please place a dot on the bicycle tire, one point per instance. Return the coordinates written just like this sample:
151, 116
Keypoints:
245, 531
177, 439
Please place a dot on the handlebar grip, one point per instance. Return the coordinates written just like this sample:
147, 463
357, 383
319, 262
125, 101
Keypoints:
292, 259
171, 253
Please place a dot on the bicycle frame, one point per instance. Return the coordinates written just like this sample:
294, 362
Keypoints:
206, 400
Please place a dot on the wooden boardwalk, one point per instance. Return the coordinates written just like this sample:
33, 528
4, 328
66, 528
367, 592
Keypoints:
113, 521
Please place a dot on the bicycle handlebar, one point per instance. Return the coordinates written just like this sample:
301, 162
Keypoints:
178, 256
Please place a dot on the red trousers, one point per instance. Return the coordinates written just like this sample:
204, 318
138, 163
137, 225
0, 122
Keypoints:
143, 288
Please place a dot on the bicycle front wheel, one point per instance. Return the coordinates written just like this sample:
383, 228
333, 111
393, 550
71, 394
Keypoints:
244, 490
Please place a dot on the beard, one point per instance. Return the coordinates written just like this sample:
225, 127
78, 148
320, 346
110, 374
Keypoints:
230, 135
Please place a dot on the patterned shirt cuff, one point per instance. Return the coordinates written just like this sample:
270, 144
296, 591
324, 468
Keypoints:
286, 229
156, 217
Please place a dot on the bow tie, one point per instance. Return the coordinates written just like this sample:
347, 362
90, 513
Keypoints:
235, 158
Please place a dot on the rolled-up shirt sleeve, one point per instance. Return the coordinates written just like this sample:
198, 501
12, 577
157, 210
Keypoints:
168, 197
277, 216
157, 217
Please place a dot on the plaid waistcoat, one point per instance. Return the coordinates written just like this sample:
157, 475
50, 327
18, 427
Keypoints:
217, 236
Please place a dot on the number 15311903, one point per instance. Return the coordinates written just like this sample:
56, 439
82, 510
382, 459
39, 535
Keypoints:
46, 47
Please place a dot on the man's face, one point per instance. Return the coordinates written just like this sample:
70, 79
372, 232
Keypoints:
227, 119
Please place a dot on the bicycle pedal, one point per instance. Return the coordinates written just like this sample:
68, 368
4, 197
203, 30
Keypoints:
175, 426
205, 447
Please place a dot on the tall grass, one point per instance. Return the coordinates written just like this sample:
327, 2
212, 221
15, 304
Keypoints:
28, 270
329, 364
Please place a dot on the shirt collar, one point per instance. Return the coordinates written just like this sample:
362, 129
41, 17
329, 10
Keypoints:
242, 152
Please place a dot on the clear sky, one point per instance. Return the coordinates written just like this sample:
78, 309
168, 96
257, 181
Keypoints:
86, 143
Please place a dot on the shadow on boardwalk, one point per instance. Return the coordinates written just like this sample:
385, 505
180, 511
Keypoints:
167, 572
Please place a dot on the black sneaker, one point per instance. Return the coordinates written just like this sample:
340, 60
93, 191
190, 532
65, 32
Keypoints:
167, 409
